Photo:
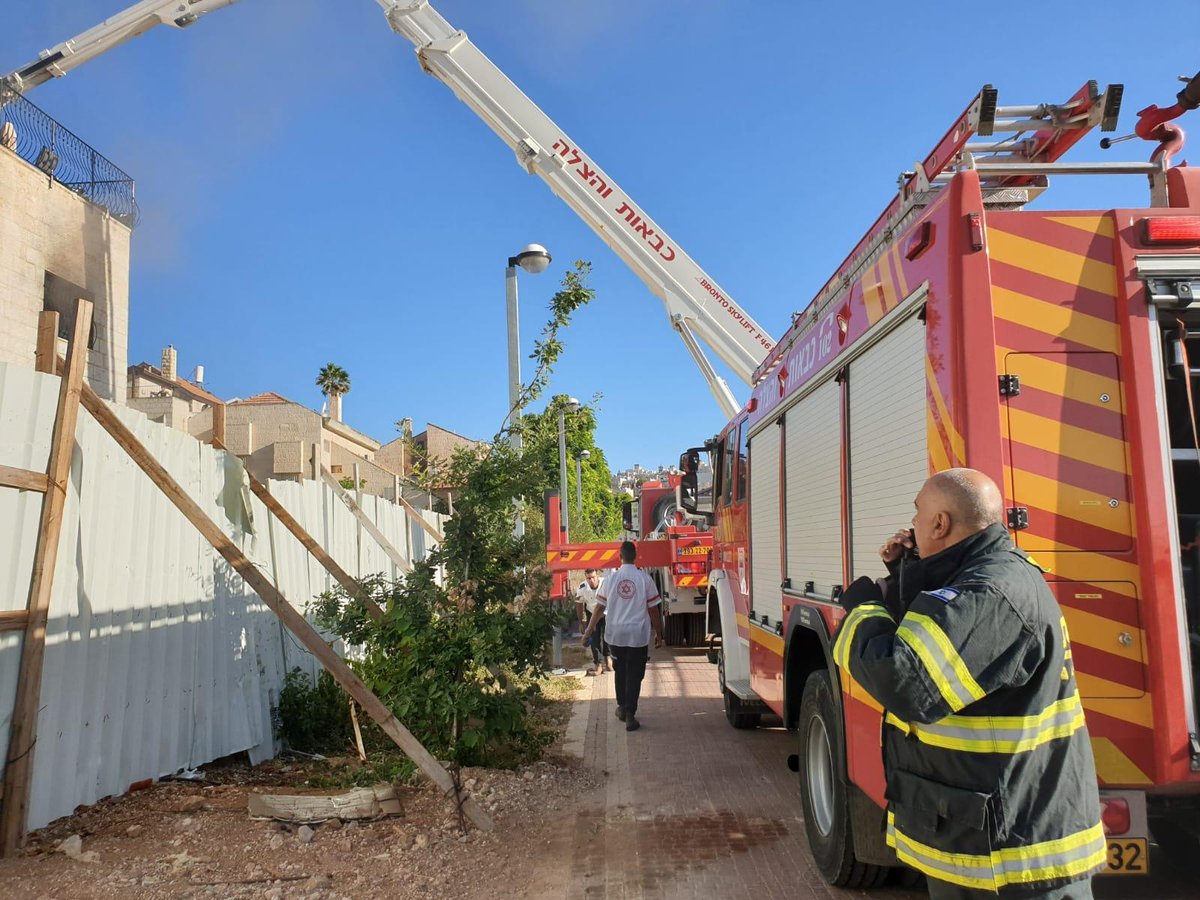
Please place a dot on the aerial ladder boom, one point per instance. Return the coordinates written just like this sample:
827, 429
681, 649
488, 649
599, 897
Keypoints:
696, 305
112, 32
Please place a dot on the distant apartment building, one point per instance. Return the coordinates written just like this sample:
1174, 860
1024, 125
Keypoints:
629, 479
433, 446
279, 438
66, 215
165, 397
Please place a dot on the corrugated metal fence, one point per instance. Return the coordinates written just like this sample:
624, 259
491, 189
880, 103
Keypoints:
157, 655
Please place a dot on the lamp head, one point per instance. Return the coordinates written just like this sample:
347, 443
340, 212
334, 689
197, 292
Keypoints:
573, 405
534, 259
585, 454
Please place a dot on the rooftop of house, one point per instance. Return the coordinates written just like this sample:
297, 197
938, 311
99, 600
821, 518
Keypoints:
262, 399
270, 398
429, 426
347, 432
153, 373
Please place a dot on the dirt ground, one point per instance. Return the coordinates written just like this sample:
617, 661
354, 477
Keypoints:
195, 839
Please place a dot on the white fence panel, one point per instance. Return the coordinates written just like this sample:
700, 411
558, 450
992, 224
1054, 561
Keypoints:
158, 657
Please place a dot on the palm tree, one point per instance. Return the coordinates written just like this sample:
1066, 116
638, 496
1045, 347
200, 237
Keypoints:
334, 381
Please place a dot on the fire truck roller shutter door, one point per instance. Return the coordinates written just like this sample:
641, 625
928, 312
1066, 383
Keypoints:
888, 456
812, 493
766, 571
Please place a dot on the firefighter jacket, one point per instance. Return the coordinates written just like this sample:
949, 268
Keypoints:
990, 777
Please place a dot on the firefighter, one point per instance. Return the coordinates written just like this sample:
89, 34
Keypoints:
991, 785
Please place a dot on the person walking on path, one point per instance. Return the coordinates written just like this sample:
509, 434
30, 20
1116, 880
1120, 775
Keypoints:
991, 784
585, 605
628, 602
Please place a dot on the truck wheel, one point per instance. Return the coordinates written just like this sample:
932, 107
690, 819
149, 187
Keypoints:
823, 793
735, 710
1179, 843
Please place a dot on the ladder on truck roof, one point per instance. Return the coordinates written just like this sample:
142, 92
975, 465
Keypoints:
1012, 170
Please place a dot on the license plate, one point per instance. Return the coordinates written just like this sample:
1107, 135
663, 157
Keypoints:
693, 551
1128, 856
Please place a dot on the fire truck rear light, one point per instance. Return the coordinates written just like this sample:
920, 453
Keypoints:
752, 405
1114, 815
1173, 230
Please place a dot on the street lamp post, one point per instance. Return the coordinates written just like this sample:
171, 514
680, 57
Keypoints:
583, 454
533, 259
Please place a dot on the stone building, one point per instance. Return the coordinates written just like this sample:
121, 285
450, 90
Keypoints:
165, 397
60, 243
435, 444
284, 440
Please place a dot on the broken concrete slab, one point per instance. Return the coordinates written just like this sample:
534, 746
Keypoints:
361, 803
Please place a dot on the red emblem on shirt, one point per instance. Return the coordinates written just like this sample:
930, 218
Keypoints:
625, 590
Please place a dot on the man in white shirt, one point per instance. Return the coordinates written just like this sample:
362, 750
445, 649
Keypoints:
629, 603
585, 605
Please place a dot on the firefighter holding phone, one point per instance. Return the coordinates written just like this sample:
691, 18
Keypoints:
991, 785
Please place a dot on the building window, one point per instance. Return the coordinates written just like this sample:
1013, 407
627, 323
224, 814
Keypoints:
61, 296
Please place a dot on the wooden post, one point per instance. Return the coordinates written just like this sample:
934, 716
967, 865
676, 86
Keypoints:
358, 541
46, 359
270, 595
24, 480
392, 553
218, 424
21, 740
420, 520
14, 619
310, 544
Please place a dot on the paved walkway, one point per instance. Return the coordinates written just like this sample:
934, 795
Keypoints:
694, 808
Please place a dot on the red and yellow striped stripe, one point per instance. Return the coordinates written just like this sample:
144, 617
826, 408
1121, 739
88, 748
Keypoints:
595, 557
1054, 301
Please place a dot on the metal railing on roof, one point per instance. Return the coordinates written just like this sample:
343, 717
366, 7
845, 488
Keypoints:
37, 138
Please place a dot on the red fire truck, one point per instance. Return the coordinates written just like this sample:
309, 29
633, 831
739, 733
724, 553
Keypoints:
1048, 348
654, 514
674, 551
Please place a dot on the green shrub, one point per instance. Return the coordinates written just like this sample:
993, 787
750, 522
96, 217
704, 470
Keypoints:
314, 718
458, 669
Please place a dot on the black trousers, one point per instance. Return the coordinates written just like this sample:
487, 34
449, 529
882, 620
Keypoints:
1076, 890
629, 665
599, 648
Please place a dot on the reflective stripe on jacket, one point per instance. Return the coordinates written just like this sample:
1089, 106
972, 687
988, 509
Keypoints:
990, 777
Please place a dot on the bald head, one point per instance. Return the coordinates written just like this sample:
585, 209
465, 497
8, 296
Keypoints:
972, 499
954, 505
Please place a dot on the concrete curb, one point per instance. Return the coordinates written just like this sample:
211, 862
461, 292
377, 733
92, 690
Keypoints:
576, 734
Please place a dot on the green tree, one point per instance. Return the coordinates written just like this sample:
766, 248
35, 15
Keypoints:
601, 508
463, 634
333, 379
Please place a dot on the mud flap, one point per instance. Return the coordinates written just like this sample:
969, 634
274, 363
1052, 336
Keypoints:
868, 825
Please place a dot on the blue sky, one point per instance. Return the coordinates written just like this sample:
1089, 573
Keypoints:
309, 195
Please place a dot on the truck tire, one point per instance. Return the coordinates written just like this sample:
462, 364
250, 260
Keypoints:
1179, 843
661, 509
823, 792
735, 710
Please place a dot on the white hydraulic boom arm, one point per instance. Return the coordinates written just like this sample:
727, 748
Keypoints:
695, 303
112, 32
